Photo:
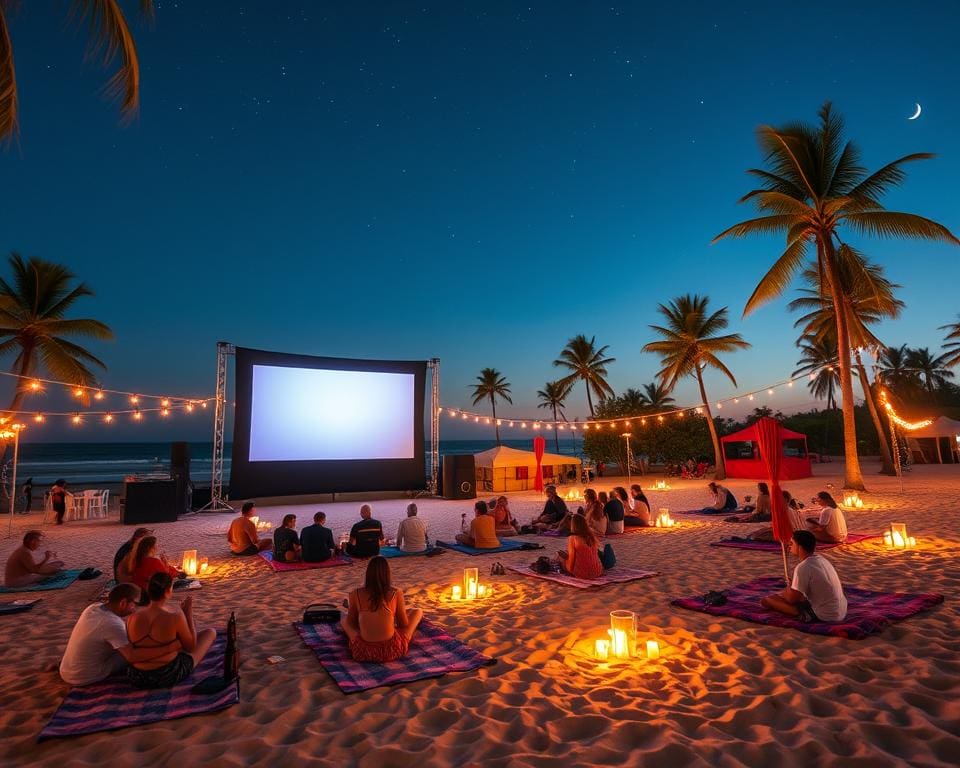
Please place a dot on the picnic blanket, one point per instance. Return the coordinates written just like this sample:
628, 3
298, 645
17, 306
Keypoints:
617, 575
115, 703
867, 612
17, 606
774, 546
61, 581
397, 552
433, 652
505, 546
267, 557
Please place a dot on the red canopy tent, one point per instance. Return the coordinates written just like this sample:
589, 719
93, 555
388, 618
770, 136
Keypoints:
743, 453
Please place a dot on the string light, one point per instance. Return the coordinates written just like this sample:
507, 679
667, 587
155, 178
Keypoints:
35, 385
98, 395
137, 416
134, 399
165, 402
164, 411
189, 408
108, 418
908, 426
38, 418
78, 392
77, 419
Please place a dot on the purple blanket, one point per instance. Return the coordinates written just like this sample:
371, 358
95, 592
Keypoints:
115, 703
774, 546
432, 653
867, 612
617, 575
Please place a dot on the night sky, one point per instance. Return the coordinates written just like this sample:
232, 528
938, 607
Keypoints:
474, 182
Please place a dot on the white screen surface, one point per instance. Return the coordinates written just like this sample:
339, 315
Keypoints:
309, 414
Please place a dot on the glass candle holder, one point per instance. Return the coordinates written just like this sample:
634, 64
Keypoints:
623, 634
471, 580
188, 564
898, 533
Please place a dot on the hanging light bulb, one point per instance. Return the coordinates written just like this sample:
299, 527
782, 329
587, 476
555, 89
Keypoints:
35, 385
453, 412
203, 403
751, 397
680, 415
165, 402
134, 399
511, 423
164, 411
736, 400
189, 407
137, 416
719, 406
476, 419
78, 392
523, 425
108, 418
38, 418
789, 383
98, 395
76, 418
770, 391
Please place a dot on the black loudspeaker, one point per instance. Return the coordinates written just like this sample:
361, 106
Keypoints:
180, 473
459, 477
150, 501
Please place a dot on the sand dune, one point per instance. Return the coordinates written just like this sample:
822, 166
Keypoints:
725, 693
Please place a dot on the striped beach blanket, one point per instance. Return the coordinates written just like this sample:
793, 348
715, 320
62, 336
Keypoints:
867, 612
267, 557
115, 703
505, 546
61, 581
617, 575
433, 652
774, 546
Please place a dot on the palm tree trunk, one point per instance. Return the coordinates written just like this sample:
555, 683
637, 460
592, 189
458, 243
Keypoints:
885, 457
721, 471
589, 399
556, 432
493, 405
853, 477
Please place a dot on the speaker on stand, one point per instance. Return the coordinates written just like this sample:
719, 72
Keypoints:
459, 477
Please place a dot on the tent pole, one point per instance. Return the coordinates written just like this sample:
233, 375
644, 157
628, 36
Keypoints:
786, 574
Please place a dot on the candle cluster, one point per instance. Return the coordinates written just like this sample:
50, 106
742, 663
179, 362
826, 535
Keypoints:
191, 565
852, 501
573, 494
621, 640
661, 485
262, 525
896, 537
471, 589
663, 519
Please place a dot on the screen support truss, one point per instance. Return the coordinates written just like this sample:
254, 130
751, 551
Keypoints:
434, 366
217, 502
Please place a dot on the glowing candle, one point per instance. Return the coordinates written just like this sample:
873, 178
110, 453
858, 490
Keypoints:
481, 590
188, 563
602, 649
888, 539
456, 592
653, 649
623, 633
471, 589
620, 644
471, 577
913, 541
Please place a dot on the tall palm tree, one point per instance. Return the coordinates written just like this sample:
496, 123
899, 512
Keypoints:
690, 344
584, 361
951, 355
491, 386
658, 396
812, 188
931, 370
820, 359
34, 327
109, 38
868, 299
553, 396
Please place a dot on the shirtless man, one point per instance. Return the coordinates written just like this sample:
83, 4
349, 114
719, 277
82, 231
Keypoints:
23, 569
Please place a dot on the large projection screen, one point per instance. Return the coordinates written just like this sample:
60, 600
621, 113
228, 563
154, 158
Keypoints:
308, 424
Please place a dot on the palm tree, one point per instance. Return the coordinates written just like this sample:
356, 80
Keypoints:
34, 326
820, 359
690, 345
868, 299
895, 371
586, 362
110, 37
658, 396
552, 396
812, 188
492, 385
929, 369
951, 355
633, 401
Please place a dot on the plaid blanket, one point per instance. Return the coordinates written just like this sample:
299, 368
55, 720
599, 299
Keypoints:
505, 546
267, 557
61, 581
867, 612
616, 576
432, 653
774, 546
115, 703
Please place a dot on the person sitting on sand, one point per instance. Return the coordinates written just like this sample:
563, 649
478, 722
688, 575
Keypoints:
378, 625
483, 531
412, 532
242, 534
554, 511
639, 516
286, 543
760, 513
723, 500
593, 512
815, 593
503, 518
316, 541
831, 526
144, 561
23, 569
124, 552
581, 558
614, 511
158, 626
365, 536
98, 646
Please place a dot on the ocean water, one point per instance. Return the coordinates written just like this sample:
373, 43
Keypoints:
87, 464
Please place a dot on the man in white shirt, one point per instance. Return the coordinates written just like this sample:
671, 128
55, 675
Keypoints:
831, 526
412, 533
815, 593
98, 646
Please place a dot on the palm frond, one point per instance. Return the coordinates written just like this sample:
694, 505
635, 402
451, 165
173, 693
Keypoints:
8, 82
891, 175
902, 225
778, 277
762, 225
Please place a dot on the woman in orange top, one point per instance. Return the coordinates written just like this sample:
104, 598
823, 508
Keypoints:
505, 524
142, 563
581, 560
483, 529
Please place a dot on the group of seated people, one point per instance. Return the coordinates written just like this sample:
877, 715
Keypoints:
828, 525
605, 513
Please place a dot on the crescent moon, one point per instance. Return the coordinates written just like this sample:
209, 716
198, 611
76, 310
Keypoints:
917, 113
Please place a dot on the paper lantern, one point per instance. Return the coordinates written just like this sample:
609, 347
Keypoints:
188, 564
623, 633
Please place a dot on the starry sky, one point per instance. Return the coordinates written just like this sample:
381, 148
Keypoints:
476, 182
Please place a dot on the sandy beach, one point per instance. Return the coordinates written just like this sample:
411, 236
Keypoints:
726, 692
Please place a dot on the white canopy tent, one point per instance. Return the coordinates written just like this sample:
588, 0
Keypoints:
940, 428
503, 469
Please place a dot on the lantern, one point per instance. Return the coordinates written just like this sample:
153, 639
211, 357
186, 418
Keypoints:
663, 519
204, 564
653, 649
623, 633
897, 537
852, 500
188, 563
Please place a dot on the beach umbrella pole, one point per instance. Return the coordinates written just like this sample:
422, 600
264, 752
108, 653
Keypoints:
786, 573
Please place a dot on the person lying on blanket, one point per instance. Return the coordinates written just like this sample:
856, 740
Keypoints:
815, 593
483, 530
723, 499
830, 526
98, 646
412, 532
639, 515
286, 543
316, 541
582, 560
168, 627
378, 625
794, 513
242, 534
24, 569
755, 514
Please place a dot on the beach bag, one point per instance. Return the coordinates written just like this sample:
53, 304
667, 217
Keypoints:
543, 565
321, 613
607, 558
